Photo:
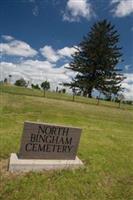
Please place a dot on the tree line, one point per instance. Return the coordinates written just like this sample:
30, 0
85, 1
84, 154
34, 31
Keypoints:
44, 85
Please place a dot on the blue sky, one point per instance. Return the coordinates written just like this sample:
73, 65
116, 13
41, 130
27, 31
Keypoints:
37, 36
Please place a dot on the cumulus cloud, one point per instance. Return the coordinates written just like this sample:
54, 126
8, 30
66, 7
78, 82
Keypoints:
128, 85
122, 8
54, 55
7, 37
66, 51
35, 11
76, 9
37, 71
49, 53
127, 67
15, 47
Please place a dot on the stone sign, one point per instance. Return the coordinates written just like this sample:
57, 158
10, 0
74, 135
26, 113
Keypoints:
47, 141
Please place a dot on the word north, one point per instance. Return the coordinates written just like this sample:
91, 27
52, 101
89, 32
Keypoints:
48, 141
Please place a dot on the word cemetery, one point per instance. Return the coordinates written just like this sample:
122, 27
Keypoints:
45, 141
48, 146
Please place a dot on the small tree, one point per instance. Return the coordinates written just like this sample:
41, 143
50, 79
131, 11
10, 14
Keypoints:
10, 76
98, 98
21, 82
63, 90
73, 87
35, 86
120, 99
45, 86
57, 89
5, 81
74, 93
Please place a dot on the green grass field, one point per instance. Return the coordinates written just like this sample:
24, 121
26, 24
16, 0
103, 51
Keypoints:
106, 147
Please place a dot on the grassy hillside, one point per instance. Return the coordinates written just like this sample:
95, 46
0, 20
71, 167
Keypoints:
53, 95
106, 147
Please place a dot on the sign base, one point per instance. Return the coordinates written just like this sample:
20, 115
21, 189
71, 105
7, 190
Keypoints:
25, 165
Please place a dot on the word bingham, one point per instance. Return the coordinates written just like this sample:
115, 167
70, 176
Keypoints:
47, 141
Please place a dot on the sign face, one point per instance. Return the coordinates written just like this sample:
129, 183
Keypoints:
47, 141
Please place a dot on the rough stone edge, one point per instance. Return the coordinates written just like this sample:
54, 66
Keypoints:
26, 165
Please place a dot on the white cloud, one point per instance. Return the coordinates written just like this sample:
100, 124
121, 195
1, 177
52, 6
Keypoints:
37, 71
122, 8
128, 85
7, 37
49, 53
35, 11
75, 9
127, 67
54, 55
16, 48
66, 51
115, 1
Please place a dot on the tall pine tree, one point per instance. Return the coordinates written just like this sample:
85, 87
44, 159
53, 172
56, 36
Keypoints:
96, 59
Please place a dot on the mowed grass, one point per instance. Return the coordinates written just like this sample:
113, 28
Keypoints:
106, 148
12, 89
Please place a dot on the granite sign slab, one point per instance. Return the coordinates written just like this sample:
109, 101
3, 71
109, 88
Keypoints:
48, 141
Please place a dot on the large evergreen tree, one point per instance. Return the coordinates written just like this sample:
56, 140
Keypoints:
96, 59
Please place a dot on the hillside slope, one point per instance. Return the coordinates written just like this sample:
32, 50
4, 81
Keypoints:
106, 148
